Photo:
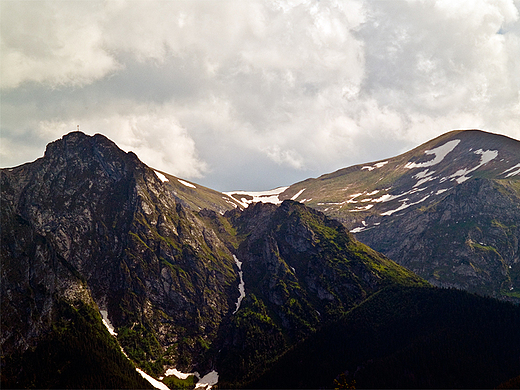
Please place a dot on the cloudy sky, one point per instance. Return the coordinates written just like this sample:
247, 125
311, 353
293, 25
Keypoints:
252, 94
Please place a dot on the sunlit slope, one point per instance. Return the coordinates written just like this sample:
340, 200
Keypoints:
370, 192
196, 196
448, 210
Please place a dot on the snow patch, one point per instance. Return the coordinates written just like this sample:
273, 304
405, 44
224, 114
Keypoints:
107, 323
186, 183
154, 382
362, 208
441, 191
376, 165
350, 200
297, 194
423, 177
161, 176
358, 229
207, 381
486, 156
178, 374
517, 167
404, 206
388, 197
440, 153
230, 202
385, 198
241, 286
271, 196
422, 181
423, 174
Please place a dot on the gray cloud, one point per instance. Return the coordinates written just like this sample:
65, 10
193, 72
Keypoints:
256, 94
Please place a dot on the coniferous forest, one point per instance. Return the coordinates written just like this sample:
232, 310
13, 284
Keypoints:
408, 337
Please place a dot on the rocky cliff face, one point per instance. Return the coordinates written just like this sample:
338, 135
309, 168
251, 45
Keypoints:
90, 226
469, 239
89, 222
301, 270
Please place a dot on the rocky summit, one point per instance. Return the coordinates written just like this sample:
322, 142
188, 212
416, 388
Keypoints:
89, 223
102, 254
449, 210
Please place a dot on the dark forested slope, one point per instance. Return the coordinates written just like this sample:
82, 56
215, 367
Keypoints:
408, 337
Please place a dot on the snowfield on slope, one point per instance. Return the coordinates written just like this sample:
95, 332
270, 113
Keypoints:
241, 286
440, 153
271, 196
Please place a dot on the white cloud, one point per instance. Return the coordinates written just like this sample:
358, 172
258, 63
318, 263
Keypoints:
438, 57
59, 43
201, 89
288, 156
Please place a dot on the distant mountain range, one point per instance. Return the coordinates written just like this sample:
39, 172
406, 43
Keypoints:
102, 255
448, 210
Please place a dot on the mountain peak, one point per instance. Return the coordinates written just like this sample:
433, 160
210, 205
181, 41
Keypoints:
447, 210
454, 189
414, 179
78, 146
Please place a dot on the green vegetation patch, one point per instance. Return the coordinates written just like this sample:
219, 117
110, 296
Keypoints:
256, 341
141, 345
175, 383
486, 248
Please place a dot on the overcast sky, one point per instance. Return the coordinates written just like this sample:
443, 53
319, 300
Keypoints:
256, 94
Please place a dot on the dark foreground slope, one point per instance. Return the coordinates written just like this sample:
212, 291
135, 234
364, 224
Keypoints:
77, 352
408, 338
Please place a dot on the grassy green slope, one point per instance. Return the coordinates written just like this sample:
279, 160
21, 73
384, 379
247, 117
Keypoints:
198, 197
408, 337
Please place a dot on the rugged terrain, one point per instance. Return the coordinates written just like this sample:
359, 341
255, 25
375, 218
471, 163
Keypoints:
449, 210
89, 223
91, 234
